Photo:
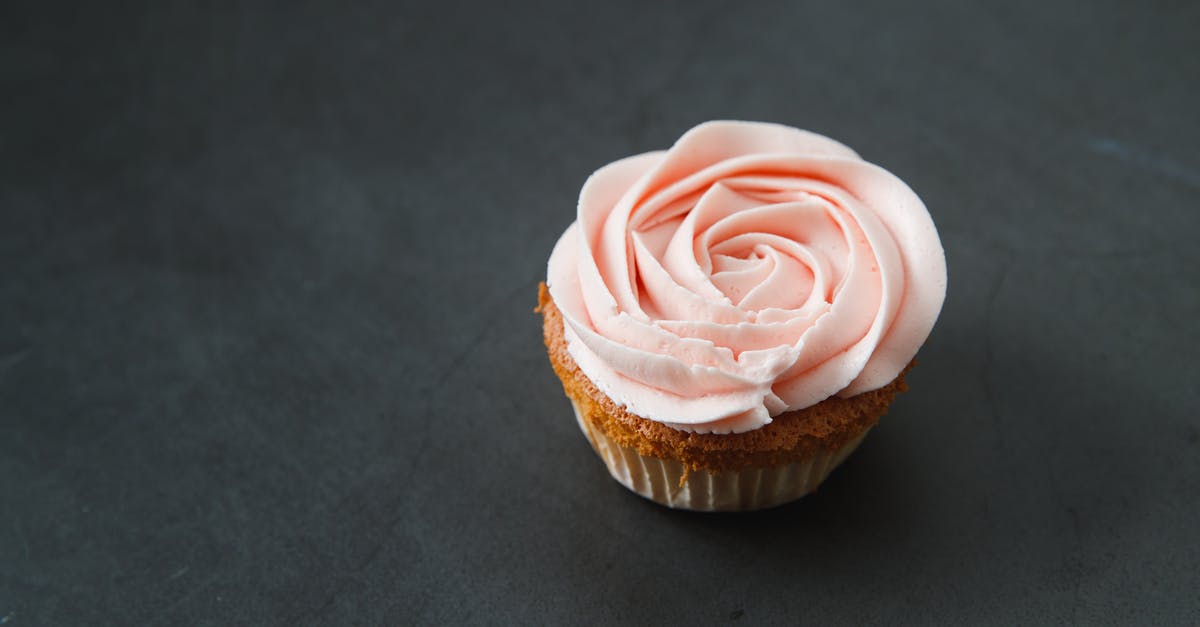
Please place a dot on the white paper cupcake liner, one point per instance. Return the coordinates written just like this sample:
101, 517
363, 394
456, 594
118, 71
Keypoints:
734, 490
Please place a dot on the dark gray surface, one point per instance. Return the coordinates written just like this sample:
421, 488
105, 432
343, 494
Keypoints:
267, 351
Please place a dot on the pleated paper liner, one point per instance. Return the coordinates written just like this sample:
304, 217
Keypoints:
733, 490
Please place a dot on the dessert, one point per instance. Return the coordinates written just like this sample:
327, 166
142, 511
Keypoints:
730, 317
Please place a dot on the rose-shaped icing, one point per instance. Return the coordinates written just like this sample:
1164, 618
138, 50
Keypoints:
751, 269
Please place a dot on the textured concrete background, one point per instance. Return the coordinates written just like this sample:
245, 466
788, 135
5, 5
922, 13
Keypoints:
267, 352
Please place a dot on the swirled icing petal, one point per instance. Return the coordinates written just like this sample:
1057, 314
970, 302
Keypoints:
712, 143
699, 412
673, 300
600, 272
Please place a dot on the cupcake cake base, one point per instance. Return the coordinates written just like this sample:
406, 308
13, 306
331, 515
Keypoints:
669, 482
757, 469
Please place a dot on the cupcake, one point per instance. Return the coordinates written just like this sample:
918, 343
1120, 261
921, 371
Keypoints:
730, 317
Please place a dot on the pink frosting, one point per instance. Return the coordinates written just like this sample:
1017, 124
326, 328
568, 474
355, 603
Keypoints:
751, 269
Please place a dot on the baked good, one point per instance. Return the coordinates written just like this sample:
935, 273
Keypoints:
730, 317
